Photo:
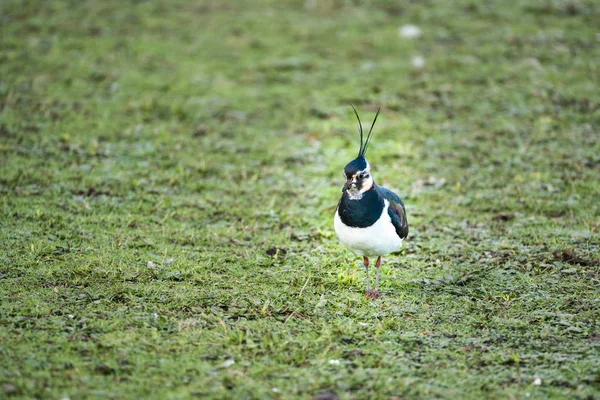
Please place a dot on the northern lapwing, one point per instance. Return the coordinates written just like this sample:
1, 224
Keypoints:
369, 220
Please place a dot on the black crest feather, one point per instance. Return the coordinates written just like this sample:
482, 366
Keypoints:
364, 145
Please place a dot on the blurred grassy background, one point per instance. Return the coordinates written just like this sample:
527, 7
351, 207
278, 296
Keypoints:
169, 172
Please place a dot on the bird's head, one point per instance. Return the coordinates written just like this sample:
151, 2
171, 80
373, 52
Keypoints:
358, 171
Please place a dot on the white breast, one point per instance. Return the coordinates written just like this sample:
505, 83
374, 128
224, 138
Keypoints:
375, 240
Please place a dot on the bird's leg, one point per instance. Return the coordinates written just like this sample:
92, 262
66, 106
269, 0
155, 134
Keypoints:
366, 262
377, 265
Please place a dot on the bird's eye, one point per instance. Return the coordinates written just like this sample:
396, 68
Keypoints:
364, 176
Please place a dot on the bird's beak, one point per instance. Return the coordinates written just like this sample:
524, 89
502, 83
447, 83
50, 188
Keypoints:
347, 185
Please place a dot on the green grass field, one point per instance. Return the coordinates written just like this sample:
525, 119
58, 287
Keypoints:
169, 172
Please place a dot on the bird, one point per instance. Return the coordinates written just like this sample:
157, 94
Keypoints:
369, 220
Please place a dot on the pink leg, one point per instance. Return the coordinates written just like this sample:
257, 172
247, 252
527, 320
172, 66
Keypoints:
366, 263
377, 265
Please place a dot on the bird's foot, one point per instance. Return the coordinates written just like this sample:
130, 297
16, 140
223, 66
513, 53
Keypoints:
372, 294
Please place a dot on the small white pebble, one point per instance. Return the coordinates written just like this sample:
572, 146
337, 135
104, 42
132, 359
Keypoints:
334, 362
418, 62
537, 381
368, 65
227, 363
275, 390
409, 31
532, 62
150, 264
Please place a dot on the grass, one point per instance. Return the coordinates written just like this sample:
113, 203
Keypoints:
169, 171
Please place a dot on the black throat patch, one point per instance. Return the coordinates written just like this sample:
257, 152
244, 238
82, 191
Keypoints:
361, 213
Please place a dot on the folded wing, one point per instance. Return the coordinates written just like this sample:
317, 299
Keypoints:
396, 211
